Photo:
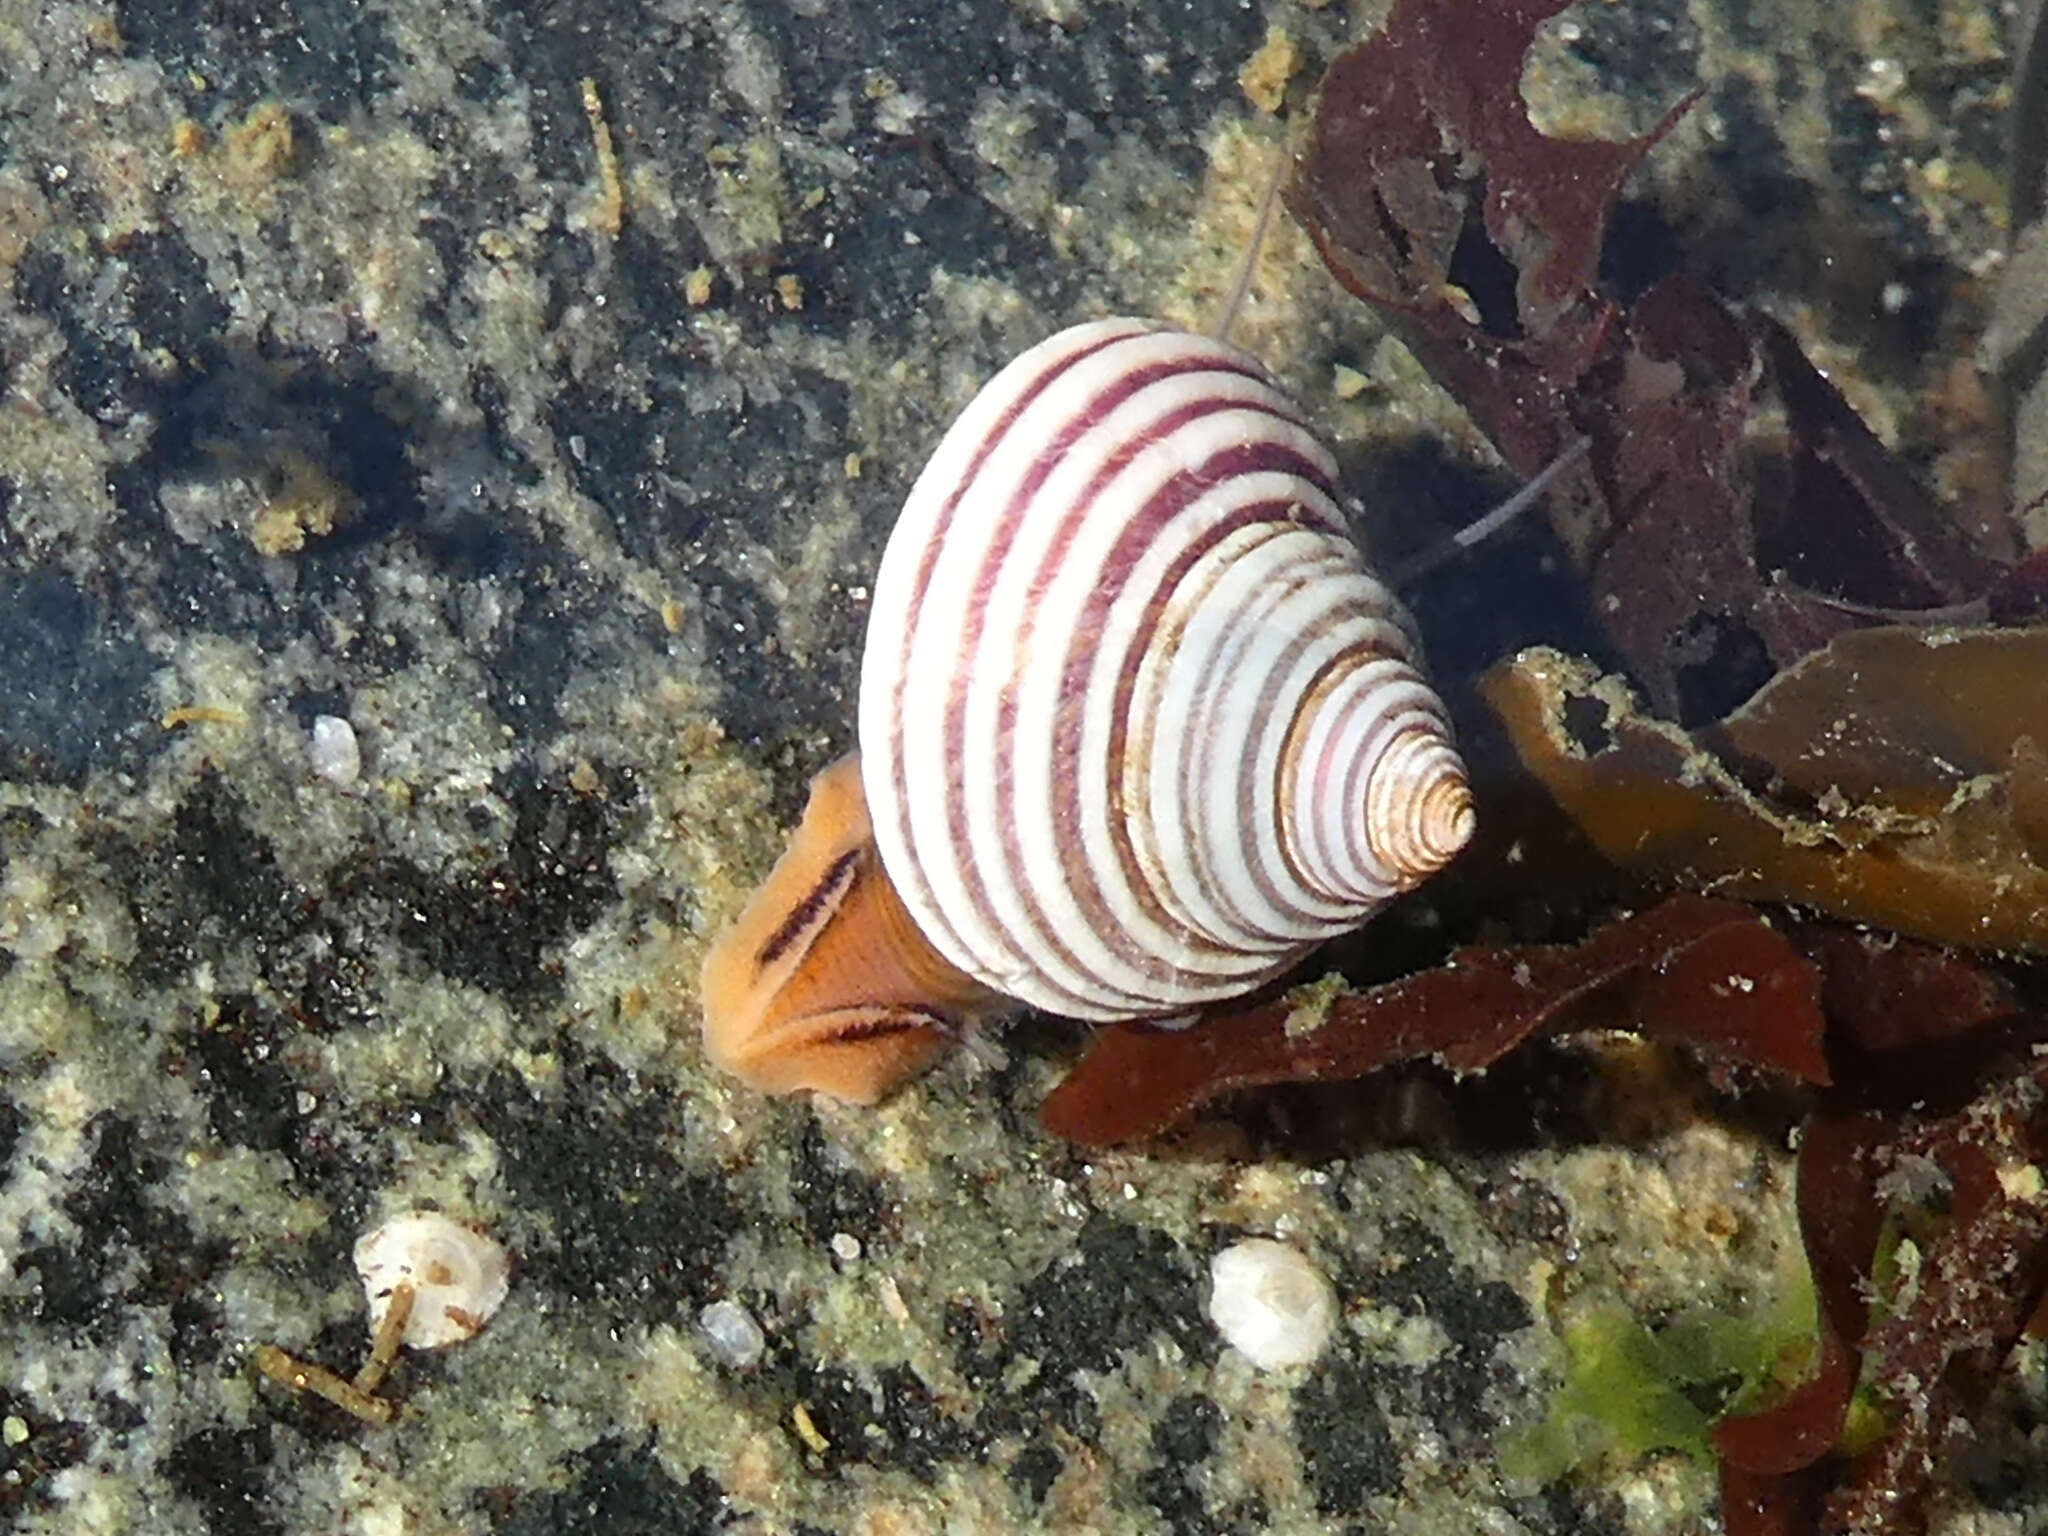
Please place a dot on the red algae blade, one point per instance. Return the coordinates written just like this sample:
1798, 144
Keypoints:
1706, 972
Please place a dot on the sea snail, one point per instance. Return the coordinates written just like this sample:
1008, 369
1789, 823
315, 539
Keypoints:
1137, 729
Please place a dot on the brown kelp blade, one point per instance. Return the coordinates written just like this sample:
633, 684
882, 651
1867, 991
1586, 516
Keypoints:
1895, 817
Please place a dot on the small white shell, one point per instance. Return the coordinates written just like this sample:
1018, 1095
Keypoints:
458, 1275
1270, 1303
1137, 725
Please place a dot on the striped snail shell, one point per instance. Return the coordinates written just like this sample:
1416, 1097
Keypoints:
1137, 726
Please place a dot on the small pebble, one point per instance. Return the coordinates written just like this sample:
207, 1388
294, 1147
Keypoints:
333, 750
735, 1339
845, 1247
1270, 1303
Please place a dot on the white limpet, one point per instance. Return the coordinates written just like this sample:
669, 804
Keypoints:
458, 1276
1270, 1303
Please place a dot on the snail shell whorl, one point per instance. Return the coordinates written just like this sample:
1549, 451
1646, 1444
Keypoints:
1137, 725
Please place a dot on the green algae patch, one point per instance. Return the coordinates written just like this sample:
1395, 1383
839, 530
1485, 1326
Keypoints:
1630, 1389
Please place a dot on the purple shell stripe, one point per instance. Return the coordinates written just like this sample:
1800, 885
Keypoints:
986, 452
1335, 775
1072, 782
1081, 779
936, 496
1128, 684
1055, 619
1216, 783
1138, 405
1142, 407
1100, 803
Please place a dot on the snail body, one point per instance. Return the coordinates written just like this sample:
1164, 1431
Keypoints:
1137, 726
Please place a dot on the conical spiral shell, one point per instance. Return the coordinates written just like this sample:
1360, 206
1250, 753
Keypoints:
1137, 725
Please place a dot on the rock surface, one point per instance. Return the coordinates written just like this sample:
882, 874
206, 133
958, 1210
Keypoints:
530, 387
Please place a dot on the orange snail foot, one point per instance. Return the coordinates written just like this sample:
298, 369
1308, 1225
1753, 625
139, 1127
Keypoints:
823, 982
